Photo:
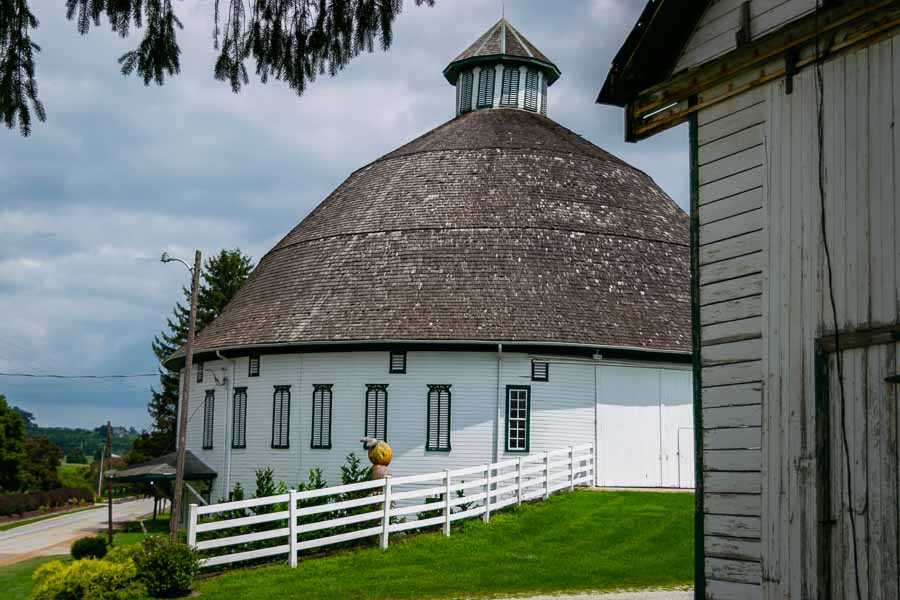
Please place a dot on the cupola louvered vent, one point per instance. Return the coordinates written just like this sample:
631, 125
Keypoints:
509, 95
531, 90
465, 102
486, 88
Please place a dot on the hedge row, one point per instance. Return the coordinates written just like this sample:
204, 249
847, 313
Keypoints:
16, 504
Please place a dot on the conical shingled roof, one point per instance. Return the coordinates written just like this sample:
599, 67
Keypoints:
499, 225
502, 41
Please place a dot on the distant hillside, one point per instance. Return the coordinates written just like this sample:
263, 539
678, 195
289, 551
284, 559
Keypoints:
91, 441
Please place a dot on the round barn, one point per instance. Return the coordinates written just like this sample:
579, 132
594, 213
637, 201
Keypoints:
497, 286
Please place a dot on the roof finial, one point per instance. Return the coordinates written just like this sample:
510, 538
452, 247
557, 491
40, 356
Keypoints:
503, 10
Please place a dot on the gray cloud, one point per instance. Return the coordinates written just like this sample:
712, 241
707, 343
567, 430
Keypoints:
121, 172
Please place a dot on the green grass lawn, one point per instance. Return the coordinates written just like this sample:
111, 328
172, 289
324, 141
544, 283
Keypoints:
15, 580
75, 475
582, 541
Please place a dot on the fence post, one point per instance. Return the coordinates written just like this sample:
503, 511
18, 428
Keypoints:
386, 519
292, 526
519, 482
487, 493
192, 526
592, 465
446, 502
546, 474
571, 468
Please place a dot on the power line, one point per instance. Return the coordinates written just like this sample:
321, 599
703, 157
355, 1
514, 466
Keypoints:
57, 376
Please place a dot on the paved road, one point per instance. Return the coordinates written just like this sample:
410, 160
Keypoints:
54, 536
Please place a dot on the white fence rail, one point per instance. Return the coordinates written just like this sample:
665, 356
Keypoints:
384, 506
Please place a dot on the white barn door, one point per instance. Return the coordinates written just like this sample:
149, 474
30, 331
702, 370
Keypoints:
644, 417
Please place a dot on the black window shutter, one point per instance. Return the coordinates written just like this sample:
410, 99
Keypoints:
376, 410
438, 418
281, 416
321, 417
209, 406
466, 100
239, 419
509, 94
544, 95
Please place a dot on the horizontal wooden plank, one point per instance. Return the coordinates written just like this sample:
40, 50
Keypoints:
733, 289
732, 395
732, 310
418, 523
256, 536
733, 331
730, 145
749, 415
748, 505
731, 227
731, 269
743, 527
740, 160
333, 506
728, 547
731, 123
340, 489
240, 556
730, 106
740, 351
341, 522
730, 590
732, 373
732, 438
337, 539
731, 248
729, 186
744, 571
732, 460
239, 504
242, 521
722, 482
419, 493
731, 206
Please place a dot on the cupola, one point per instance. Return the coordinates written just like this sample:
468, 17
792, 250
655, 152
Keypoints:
501, 69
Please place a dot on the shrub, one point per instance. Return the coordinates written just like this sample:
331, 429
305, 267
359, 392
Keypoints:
89, 547
166, 568
17, 504
86, 580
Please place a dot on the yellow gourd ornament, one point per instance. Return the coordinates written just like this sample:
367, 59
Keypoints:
380, 454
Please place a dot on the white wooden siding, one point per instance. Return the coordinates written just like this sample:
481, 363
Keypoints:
714, 35
862, 96
731, 155
562, 413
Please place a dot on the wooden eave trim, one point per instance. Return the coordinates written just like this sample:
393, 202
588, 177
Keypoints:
860, 338
666, 105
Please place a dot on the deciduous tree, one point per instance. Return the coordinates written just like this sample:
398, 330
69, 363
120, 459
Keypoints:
42, 458
12, 447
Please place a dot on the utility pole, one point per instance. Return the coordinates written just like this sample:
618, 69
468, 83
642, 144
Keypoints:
108, 484
184, 400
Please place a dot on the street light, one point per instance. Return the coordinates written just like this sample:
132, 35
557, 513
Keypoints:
185, 389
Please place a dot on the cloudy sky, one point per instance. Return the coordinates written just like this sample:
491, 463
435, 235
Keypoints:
121, 172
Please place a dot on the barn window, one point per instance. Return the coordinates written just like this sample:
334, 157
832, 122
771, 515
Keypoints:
209, 405
544, 95
398, 362
199, 372
486, 88
321, 416
465, 100
531, 90
239, 418
509, 93
518, 417
281, 416
376, 410
253, 366
540, 371
438, 428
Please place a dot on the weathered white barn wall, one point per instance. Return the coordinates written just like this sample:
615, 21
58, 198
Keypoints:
860, 151
563, 412
731, 158
714, 35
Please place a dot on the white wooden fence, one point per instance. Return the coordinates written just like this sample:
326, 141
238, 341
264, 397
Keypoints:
498, 485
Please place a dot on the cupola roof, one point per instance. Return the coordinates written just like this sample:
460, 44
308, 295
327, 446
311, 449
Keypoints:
502, 43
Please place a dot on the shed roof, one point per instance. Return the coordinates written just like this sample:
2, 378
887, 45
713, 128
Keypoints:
500, 225
163, 468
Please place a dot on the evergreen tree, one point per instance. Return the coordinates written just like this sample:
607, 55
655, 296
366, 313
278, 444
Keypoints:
42, 458
222, 276
291, 41
12, 447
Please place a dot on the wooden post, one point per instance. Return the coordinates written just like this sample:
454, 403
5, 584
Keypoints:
487, 493
155, 503
592, 465
546, 474
184, 401
571, 469
292, 527
519, 482
447, 503
386, 519
109, 503
192, 525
